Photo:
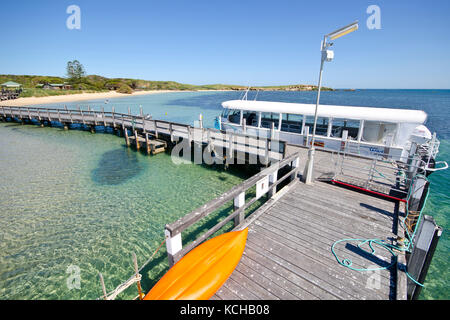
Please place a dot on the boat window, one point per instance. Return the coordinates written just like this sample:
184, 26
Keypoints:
267, 118
292, 123
321, 127
225, 113
251, 118
339, 125
379, 132
234, 116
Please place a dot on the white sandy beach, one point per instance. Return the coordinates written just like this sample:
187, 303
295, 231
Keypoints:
75, 97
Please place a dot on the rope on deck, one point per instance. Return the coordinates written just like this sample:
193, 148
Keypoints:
390, 247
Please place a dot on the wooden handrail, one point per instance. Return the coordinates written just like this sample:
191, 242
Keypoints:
173, 230
67, 115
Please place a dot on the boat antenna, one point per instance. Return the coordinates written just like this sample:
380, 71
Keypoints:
246, 94
257, 91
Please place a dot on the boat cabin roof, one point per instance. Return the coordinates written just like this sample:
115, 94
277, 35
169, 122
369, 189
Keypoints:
331, 111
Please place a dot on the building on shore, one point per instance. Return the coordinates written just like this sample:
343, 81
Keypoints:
54, 86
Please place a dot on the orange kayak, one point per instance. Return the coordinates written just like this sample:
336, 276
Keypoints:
201, 272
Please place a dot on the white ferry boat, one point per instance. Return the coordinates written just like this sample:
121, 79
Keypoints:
364, 131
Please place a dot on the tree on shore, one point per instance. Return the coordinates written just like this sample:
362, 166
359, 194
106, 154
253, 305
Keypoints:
75, 71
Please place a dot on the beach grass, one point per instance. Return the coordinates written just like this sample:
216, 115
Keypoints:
36, 92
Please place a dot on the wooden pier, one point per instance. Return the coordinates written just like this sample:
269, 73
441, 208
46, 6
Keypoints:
295, 234
288, 252
155, 136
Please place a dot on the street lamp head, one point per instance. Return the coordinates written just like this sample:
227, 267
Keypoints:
343, 31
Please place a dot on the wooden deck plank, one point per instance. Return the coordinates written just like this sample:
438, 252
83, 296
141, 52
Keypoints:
312, 241
330, 278
289, 245
334, 222
325, 260
295, 284
274, 282
315, 224
239, 290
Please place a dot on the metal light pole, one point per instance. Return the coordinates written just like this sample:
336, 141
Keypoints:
327, 55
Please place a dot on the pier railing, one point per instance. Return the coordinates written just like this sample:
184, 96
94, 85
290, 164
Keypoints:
384, 176
266, 182
235, 144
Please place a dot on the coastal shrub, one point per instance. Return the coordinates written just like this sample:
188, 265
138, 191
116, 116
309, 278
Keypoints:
124, 88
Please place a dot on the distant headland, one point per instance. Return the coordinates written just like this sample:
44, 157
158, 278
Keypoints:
41, 86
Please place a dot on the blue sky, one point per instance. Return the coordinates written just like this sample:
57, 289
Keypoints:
233, 42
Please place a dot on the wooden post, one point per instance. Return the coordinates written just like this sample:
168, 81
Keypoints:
238, 202
171, 132
136, 271
189, 135
49, 119
208, 141
103, 115
93, 115
142, 117
147, 143
136, 139
69, 112
419, 189
272, 179
156, 129
173, 245
82, 115
295, 164
113, 118
125, 132
103, 286
129, 115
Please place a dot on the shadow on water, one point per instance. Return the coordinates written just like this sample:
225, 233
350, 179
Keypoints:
116, 167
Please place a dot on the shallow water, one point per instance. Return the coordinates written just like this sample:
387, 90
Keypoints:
72, 198
82, 199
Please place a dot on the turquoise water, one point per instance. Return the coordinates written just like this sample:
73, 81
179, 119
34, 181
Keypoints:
74, 198
81, 199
